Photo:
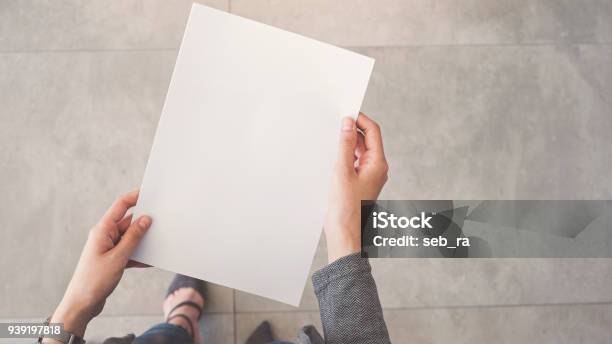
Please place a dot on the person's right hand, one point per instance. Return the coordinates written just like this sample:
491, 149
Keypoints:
360, 174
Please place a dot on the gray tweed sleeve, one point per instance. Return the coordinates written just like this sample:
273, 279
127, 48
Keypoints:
348, 302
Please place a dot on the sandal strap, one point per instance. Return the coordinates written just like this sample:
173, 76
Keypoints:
186, 319
181, 281
190, 304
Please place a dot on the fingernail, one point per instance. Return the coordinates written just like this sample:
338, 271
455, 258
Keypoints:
347, 124
144, 222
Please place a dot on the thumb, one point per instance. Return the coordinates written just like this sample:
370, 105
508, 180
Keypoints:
129, 241
348, 144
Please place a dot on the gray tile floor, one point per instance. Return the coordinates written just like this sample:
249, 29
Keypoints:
477, 99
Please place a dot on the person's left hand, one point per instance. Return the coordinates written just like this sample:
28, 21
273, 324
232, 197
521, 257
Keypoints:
104, 258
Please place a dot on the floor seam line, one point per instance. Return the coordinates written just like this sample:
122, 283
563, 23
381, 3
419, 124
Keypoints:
234, 311
539, 305
234, 316
388, 46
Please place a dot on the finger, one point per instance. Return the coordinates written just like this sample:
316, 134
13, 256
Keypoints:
360, 145
121, 206
129, 241
135, 264
371, 131
348, 143
124, 223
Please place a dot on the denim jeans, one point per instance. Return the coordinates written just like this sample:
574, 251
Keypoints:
165, 333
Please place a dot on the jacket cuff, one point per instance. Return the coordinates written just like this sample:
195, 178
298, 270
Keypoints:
351, 265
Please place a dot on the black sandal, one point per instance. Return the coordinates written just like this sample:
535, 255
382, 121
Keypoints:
182, 281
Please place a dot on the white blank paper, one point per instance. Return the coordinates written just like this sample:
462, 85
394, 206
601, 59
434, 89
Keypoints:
238, 175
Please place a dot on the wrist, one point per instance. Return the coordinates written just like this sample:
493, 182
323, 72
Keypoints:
341, 244
73, 316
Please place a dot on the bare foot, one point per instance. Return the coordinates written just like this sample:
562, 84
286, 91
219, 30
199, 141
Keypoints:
181, 295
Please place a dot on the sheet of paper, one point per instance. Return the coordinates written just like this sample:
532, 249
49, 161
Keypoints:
238, 175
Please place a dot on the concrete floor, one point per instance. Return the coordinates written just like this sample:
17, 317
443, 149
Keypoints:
507, 99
